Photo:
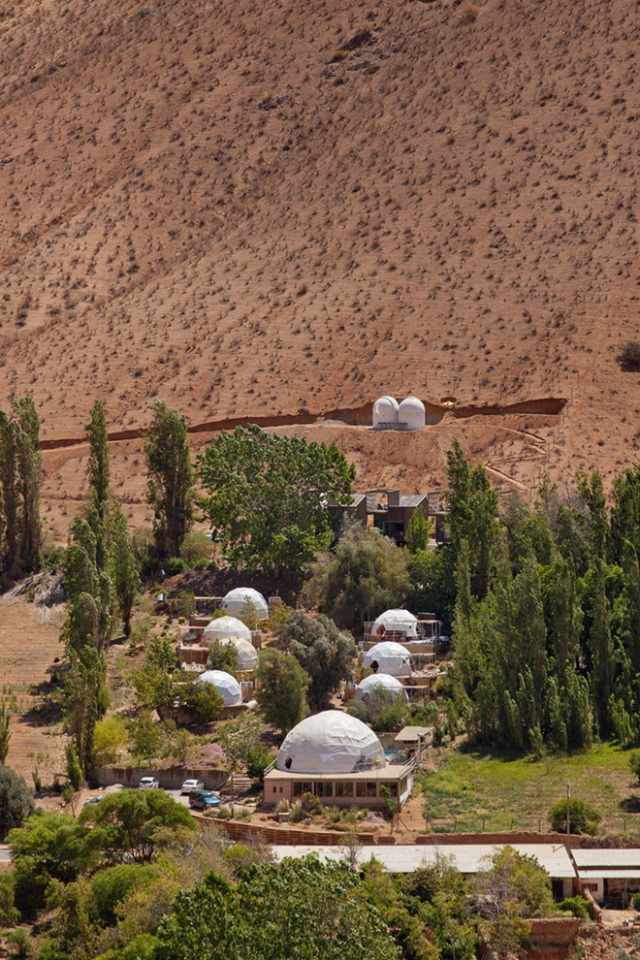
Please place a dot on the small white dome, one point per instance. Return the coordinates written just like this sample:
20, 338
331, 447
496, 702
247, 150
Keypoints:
247, 653
380, 681
330, 742
412, 413
385, 410
224, 628
225, 684
400, 621
391, 658
242, 599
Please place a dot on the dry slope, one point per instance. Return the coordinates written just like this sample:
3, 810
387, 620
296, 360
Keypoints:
265, 207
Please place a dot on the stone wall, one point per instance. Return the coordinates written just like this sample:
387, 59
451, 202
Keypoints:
245, 832
170, 778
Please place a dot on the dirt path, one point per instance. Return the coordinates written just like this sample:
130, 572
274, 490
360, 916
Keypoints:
29, 643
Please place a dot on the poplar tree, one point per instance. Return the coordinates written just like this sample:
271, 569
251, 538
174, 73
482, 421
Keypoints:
124, 567
170, 479
29, 470
9, 480
601, 649
632, 597
98, 472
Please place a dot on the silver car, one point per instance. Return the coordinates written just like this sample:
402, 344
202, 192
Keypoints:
148, 783
191, 786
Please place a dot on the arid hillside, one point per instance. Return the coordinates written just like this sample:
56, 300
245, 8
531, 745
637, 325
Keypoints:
268, 209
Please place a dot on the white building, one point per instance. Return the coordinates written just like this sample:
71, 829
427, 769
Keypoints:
225, 628
388, 657
412, 414
226, 685
242, 600
396, 621
382, 682
385, 413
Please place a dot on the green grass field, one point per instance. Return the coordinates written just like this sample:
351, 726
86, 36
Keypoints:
472, 791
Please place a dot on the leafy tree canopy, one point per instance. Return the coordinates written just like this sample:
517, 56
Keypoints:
324, 652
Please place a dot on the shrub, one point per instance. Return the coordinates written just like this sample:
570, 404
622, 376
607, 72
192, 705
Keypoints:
109, 737
109, 887
576, 906
310, 804
203, 701
21, 943
15, 800
223, 656
634, 765
9, 914
582, 816
196, 549
174, 565
629, 356
635, 901
258, 759
74, 770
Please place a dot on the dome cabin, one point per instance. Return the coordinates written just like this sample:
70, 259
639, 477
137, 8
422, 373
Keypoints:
395, 621
340, 760
246, 653
388, 657
226, 685
412, 414
385, 413
382, 682
225, 628
239, 601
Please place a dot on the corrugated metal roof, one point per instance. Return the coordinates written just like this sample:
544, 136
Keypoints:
468, 858
597, 857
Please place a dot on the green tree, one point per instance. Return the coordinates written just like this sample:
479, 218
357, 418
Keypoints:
282, 688
131, 826
591, 491
155, 682
432, 574
202, 700
580, 816
601, 650
109, 738
125, 575
10, 496
5, 732
367, 574
29, 471
48, 846
98, 473
16, 803
324, 653
266, 495
298, 909
240, 738
223, 656
473, 511
419, 530
170, 479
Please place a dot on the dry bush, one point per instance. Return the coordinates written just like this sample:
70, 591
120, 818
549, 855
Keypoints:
469, 13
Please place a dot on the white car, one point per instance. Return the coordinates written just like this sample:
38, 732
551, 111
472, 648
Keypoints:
148, 783
191, 786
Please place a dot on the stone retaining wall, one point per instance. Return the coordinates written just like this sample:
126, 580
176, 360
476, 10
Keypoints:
245, 832
170, 778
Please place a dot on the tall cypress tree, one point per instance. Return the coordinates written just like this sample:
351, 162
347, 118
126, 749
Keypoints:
98, 472
9, 482
632, 597
170, 479
29, 471
601, 649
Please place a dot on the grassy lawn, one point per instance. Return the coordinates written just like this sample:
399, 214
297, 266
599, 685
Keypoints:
474, 791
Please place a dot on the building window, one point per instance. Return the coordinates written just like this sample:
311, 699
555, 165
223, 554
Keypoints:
366, 789
323, 789
343, 789
299, 787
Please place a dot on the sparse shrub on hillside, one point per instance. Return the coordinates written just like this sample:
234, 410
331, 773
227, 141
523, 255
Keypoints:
581, 817
469, 13
629, 356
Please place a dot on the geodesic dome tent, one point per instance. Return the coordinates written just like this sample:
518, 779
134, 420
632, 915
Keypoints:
226, 685
241, 599
399, 621
380, 682
246, 652
390, 657
224, 628
330, 742
412, 414
385, 412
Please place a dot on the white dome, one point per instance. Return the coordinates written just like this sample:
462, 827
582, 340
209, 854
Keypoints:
225, 684
380, 681
241, 599
224, 628
400, 621
330, 742
412, 413
247, 653
391, 658
385, 410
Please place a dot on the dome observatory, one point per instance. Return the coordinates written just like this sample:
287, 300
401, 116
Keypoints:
330, 742
412, 414
396, 621
385, 412
226, 685
390, 658
382, 682
238, 601
225, 628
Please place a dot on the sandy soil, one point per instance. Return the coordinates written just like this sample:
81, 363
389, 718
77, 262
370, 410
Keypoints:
266, 209
29, 644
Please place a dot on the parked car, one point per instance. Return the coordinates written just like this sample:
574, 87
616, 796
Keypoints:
204, 800
191, 785
148, 783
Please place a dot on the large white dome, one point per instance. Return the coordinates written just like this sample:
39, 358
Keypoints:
330, 742
224, 628
412, 413
246, 652
385, 411
380, 681
391, 658
225, 684
242, 599
400, 621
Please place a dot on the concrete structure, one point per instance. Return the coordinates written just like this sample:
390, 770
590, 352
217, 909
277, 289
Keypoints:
385, 414
338, 759
612, 876
343, 514
412, 414
224, 628
388, 657
380, 682
395, 621
241, 600
392, 511
226, 685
